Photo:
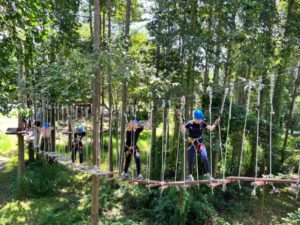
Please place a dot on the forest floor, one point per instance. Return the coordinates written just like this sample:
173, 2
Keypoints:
56, 195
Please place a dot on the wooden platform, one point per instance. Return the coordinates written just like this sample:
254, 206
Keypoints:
218, 182
262, 181
15, 131
145, 181
164, 185
66, 161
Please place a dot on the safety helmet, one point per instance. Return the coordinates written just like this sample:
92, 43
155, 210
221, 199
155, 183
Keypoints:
79, 128
198, 114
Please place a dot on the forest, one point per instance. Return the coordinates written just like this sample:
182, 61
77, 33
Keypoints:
149, 112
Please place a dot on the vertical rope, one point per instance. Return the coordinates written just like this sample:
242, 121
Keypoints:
210, 136
197, 167
272, 84
151, 123
219, 127
259, 88
182, 122
124, 136
162, 141
135, 109
147, 165
298, 182
76, 112
177, 152
249, 87
227, 133
117, 136
110, 147
166, 135
86, 113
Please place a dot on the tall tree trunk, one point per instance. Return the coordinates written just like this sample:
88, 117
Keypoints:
21, 78
285, 54
103, 26
96, 107
219, 8
123, 121
109, 19
124, 85
208, 51
128, 17
91, 18
291, 109
110, 94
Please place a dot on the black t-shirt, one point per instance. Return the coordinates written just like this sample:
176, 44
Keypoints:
195, 130
132, 136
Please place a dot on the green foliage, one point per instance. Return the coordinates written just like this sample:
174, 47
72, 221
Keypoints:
172, 207
201, 210
292, 218
41, 181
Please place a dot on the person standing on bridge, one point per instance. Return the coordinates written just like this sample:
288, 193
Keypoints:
193, 129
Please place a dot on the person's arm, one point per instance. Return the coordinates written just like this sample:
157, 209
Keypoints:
212, 127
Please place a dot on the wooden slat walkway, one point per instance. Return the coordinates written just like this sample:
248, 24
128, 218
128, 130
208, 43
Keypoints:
218, 182
262, 180
66, 161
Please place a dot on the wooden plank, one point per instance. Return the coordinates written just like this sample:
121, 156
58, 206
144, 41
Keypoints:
266, 180
258, 183
182, 183
145, 181
226, 181
14, 131
159, 184
193, 182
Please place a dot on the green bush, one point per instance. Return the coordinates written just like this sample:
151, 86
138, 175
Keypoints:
40, 181
293, 218
172, 207
200, 210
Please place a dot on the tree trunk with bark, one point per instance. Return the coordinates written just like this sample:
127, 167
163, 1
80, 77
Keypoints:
96, 107
124, 86
21, 77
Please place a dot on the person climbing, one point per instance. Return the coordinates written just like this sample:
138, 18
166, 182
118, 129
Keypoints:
194, 131
77, 145
132, 134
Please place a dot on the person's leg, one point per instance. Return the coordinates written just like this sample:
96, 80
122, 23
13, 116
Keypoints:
204, 157
80, 156
137, 161
191, 158
127, 159
80, 152
73, 154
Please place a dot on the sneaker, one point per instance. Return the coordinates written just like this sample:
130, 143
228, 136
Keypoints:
140, 177
125, 176
190, 178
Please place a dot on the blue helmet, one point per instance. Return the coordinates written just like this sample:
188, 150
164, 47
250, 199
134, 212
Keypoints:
198, 114
79, 129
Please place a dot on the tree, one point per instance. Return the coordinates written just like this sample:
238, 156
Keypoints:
124, 86
96, 108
